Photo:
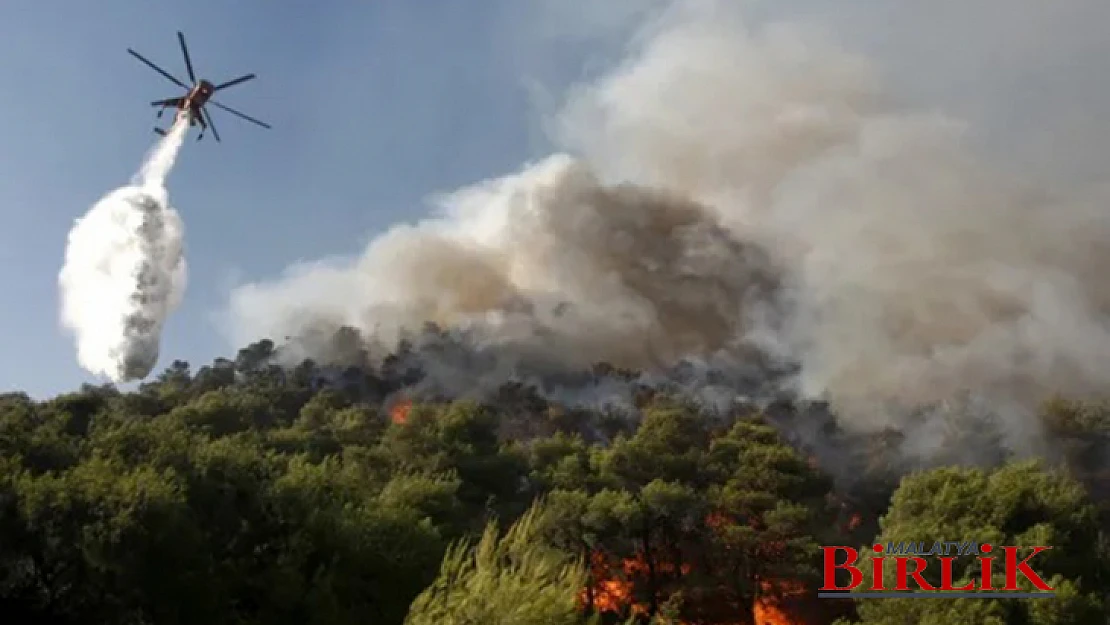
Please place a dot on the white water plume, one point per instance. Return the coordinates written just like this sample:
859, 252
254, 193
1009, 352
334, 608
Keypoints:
125, 271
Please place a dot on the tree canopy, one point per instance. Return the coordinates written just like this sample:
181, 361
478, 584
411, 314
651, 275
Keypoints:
249, 492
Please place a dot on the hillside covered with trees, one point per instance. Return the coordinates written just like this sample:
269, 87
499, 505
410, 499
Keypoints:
248, 493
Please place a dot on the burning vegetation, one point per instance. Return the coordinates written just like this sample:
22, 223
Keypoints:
399, 414
676, 510
617, 591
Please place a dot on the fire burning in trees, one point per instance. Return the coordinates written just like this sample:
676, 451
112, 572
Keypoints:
855, 521
610, 594
607, 594
616, 592
769, 609
640, 587
399, 414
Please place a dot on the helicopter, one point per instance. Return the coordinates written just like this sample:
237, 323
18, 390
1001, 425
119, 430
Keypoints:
198, 96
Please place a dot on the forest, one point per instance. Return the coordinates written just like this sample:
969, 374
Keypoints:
251, 492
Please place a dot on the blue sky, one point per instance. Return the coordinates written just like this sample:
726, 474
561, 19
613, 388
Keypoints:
374, 105
377, 104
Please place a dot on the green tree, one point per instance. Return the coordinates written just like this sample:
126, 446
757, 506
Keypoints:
769, 515
515, 579
706, 524
1019, 504
461, 438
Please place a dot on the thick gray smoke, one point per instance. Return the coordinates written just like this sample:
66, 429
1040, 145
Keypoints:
125, 270
733, 189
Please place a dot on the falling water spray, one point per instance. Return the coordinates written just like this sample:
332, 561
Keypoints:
125, 270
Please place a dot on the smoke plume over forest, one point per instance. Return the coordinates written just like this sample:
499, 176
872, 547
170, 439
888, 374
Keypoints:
750, 203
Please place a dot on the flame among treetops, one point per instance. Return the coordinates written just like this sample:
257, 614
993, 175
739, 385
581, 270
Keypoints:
399, 414
769, 609
615, 592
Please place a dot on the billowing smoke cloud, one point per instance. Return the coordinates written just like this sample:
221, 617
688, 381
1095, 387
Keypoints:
734, 189
125, 270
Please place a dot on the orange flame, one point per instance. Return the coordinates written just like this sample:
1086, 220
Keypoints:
609, 595
614, 592
615, 595
768, 609
400, 412
854, 522
717, 520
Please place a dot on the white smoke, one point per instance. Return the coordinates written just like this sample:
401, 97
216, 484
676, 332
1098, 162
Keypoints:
716, 160
125, 271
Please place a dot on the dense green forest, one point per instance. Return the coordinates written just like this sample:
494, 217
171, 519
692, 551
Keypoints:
248, 493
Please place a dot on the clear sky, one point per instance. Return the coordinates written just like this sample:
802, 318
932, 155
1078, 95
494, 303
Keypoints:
377, 104
373, 104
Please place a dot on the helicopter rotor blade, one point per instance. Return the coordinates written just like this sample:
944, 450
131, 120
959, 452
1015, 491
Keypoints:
161, 71
232, 83
185, 52
211, 125
238, 114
